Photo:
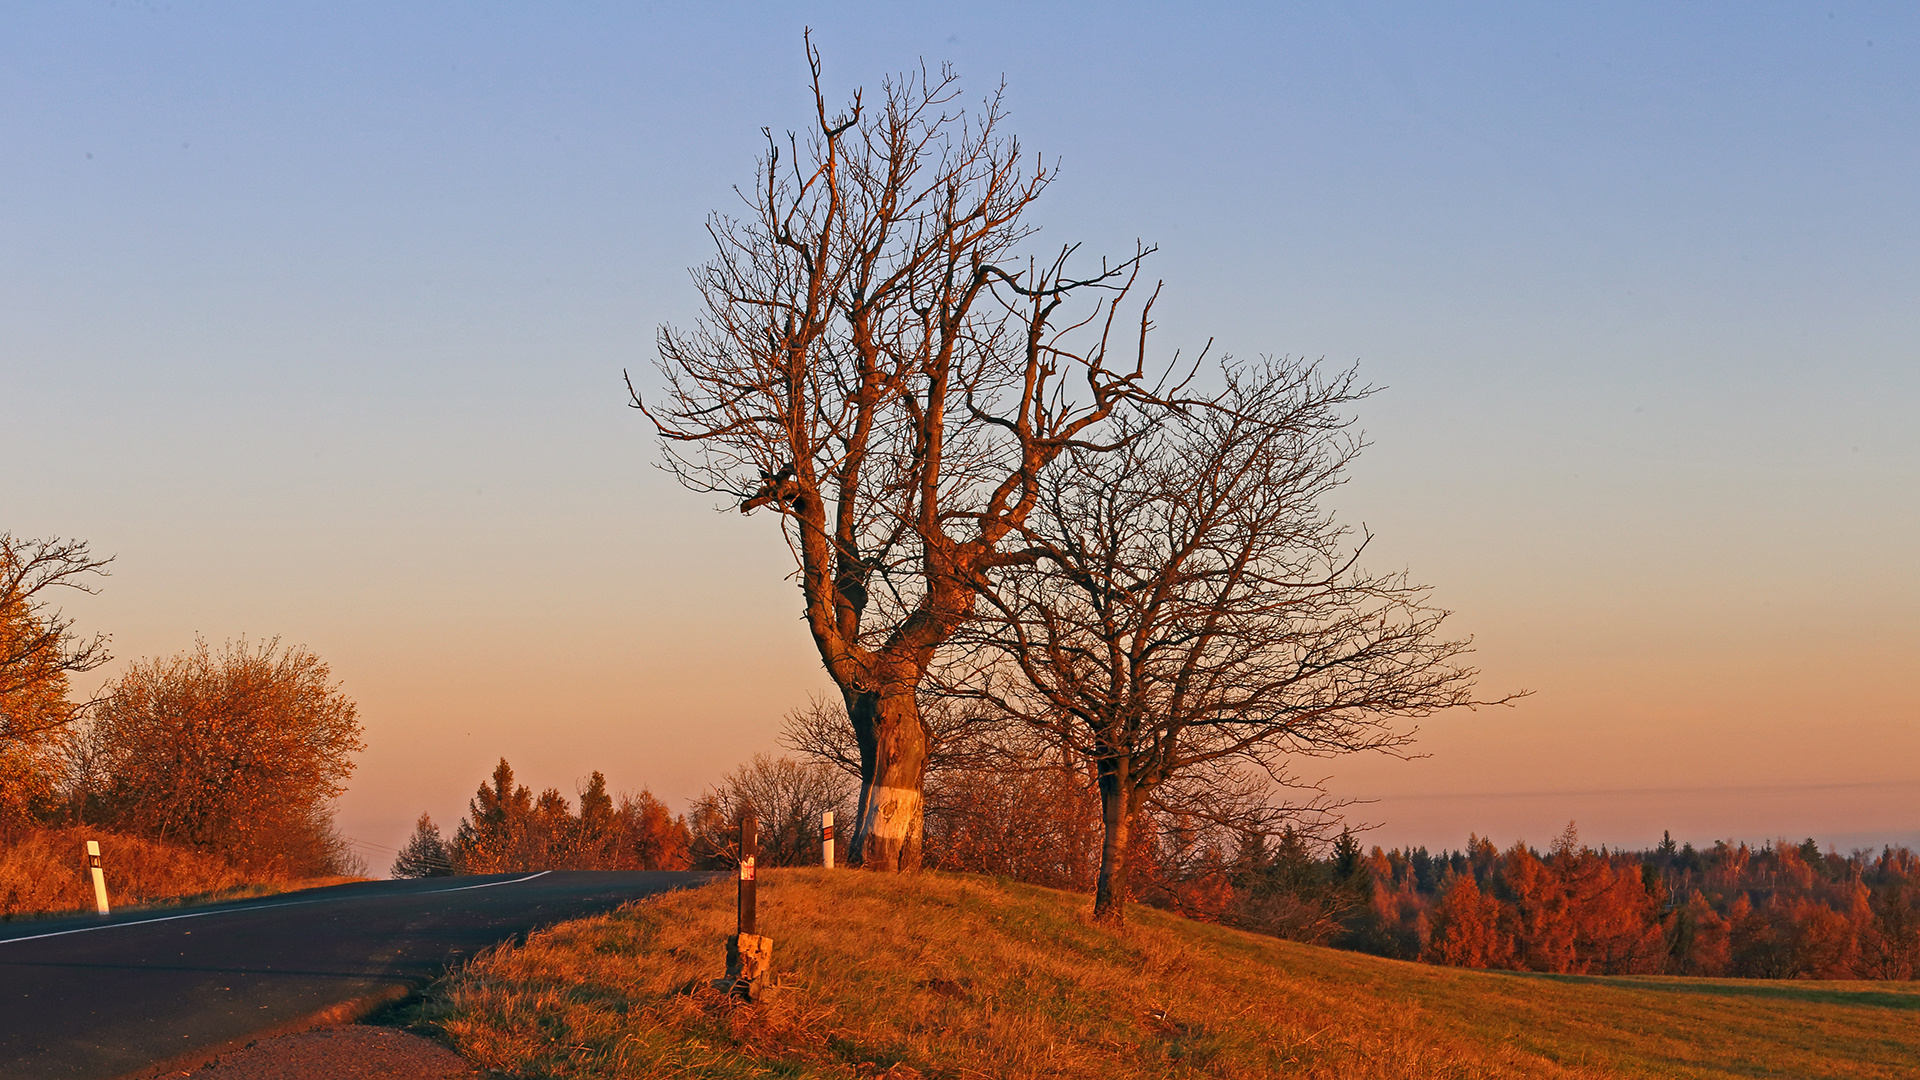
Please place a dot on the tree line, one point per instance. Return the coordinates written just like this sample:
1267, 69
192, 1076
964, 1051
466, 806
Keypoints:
236, 751
1779, 911
508, 828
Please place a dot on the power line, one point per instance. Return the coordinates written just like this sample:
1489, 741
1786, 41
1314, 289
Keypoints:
429, 860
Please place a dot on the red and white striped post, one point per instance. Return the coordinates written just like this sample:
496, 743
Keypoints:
826, 839
99, 876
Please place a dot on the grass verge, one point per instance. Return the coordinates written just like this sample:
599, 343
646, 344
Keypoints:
955, 976
43, 873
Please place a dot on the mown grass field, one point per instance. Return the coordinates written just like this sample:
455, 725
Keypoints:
941, 975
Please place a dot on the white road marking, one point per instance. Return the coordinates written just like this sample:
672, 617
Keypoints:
144, 922
490, 884
256, 907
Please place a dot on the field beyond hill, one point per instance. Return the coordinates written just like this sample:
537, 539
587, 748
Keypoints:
950, 975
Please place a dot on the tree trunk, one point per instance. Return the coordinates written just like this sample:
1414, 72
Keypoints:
893, 771
863, 709
1116, 820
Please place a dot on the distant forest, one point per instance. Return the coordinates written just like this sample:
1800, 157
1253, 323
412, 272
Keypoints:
1779, 911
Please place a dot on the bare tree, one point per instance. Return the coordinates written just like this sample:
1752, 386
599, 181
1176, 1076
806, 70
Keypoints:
786, 796
38, 647
881, 366
1197, 612
1000, 799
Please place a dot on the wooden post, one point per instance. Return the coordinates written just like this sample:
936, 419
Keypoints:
749, 956
749, 849
99, 876
826, 839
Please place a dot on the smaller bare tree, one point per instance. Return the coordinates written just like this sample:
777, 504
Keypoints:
958, 738
1194, 608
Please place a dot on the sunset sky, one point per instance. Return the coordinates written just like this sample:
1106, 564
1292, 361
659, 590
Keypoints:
315, 318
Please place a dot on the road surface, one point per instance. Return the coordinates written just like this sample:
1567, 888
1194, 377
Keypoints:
94, 999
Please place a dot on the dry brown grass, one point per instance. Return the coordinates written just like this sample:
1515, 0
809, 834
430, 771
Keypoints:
956, 976
42, 872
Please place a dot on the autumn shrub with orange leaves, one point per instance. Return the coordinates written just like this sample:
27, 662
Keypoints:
236, 752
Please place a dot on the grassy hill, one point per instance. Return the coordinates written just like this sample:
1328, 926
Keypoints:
958, 976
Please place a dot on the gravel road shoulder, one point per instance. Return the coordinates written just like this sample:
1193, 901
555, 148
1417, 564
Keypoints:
349, 1052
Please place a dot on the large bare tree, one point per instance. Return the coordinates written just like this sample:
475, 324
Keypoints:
881, 364
1197, 612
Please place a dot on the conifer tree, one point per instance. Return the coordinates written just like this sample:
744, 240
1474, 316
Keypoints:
425, 855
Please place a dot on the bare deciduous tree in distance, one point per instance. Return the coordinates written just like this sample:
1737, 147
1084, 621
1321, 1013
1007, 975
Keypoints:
786, 796
1196, 608
881, 366
1000, 798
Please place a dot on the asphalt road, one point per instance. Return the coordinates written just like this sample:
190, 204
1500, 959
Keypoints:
102, 998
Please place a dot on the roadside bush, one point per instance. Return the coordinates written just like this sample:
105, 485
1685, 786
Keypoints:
238, 752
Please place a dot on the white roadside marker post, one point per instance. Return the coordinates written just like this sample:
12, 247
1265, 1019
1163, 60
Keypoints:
826, 839
99, 876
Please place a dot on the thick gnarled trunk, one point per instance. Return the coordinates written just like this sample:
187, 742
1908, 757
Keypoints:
893, 745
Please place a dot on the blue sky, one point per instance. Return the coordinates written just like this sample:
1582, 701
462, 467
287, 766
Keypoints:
316, 317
